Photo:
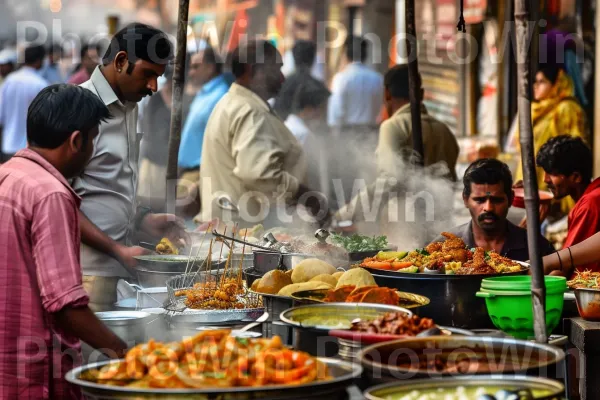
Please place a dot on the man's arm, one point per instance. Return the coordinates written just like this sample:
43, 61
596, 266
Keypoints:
82, 323
92, 236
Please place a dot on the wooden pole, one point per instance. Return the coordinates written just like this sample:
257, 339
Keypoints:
177, 106
414, 87
538, 286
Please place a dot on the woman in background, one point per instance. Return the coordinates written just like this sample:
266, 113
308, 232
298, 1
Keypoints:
554, 112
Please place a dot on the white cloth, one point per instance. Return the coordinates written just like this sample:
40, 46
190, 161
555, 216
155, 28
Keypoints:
297, 126
16, 94
109, 182
356, 96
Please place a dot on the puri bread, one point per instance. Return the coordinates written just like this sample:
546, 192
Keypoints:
309, 268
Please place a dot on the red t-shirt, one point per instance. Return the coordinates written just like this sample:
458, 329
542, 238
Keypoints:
584, 221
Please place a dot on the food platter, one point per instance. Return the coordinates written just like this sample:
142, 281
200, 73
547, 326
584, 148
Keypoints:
343, 373
407, 300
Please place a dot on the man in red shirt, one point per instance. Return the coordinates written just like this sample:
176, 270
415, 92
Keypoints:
43, 307
567, 162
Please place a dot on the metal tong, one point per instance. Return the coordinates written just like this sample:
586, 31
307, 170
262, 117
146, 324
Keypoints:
226, 238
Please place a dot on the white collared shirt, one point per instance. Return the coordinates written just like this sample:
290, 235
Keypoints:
298, 127
108, 184
16, 94
356, 97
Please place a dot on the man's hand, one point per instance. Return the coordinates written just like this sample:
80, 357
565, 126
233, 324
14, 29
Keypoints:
165, 225
316, 203
125, 255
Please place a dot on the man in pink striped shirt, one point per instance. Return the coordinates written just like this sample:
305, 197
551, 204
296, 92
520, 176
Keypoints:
43, 307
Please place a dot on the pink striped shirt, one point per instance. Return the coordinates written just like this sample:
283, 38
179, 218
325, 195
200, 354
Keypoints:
40, 274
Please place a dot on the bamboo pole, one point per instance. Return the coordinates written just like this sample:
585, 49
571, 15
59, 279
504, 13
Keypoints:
538, 286
177, 106
414, 87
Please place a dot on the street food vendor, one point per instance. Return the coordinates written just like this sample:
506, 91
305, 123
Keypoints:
567, 162
44, 309
252, 165
136, 57
488, 195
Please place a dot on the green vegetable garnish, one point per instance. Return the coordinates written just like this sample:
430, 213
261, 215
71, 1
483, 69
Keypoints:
357, 243
242, 341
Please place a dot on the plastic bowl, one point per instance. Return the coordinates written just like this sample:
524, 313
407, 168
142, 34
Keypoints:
511, 310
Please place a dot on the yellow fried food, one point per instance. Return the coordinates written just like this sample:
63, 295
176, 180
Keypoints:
329, 279
166, 247
309, 268
357, 277
337, 275
273, 281
299, 287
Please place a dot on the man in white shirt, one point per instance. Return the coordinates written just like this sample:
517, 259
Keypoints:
354, 107
357, 91
17, 92
109, 217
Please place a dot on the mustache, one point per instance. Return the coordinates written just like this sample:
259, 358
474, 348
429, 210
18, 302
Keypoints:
491, 216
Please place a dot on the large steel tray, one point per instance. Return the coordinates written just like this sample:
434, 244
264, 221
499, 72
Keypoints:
343, 375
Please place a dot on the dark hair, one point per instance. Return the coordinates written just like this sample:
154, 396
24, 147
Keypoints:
488, 171
310, 93
58, 111
34, 54
141, 42
86, 47
356, 48
55, 48
550, 71
396, 81
304, 53
253, 53
210, 56
565, 155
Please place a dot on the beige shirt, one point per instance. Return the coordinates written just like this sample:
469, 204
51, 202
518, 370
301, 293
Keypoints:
250, 161
395, 140
109, 181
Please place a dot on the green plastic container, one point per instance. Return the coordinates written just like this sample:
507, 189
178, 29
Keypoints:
508, 301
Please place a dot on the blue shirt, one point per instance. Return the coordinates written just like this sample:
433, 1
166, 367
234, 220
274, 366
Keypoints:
190, 150
51, 74
17, 92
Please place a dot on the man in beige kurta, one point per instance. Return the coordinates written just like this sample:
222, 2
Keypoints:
252, 165
406, 203
440, 147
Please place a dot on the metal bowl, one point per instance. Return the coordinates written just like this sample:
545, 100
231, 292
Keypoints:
399, 389
402, 359
275, 305
343, 374
265, 261
155, 271
314, 338
407, 300
128, 325
588, 303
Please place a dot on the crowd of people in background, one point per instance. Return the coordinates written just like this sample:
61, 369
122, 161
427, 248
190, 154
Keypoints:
246, 128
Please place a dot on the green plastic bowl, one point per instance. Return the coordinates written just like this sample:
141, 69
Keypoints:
508, 301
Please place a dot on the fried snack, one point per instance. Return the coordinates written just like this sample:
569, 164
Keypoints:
329, 279
211, 359
309, 268
374, 294
339, 295
165, 247
273, 281
433, 247
357, 277
338, 275
299, 287
452, 242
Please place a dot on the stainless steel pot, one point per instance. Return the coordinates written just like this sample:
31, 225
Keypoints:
588, 303
314, 338
156, 273
403, 359
265, 261
128, 325
397, 390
